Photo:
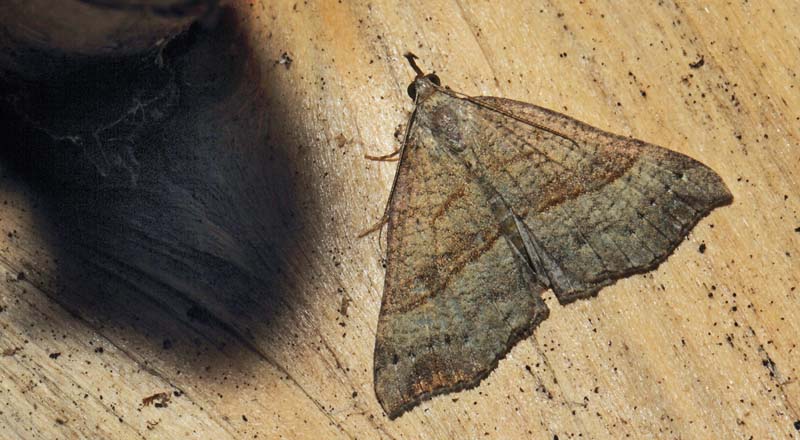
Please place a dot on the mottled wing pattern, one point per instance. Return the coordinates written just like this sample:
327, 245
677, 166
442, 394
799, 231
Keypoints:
597, 206
457, 294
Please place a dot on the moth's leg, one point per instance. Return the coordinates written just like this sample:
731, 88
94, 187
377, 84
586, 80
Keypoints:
375, 227
391, 157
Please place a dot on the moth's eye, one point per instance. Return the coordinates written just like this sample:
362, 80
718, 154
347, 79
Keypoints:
412, 90
434, 79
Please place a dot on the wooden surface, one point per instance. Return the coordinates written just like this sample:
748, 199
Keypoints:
227, 271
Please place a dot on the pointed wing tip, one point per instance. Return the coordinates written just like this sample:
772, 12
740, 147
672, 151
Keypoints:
722, 194
393, 410
397, 395
405, 400
393, 400
726, 198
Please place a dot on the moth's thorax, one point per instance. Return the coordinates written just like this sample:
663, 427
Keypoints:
423, 88
446, 121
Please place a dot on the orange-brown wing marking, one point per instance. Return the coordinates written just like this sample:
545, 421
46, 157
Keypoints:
457, 294
597, 206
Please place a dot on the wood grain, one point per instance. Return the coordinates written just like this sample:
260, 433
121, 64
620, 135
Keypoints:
231, 276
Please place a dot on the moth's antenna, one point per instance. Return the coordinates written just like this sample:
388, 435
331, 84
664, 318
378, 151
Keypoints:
411, 57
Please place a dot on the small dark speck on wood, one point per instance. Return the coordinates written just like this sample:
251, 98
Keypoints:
698, 64
159, 400
10, 351
702, 248
285, 60
769, 364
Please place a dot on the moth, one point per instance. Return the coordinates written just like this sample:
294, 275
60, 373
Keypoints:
495, 201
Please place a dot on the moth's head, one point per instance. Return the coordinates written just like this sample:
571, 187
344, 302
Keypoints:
423, 86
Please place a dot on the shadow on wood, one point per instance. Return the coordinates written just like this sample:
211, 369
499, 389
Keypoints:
169, 196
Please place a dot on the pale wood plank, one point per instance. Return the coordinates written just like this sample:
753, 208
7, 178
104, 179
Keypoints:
263, 169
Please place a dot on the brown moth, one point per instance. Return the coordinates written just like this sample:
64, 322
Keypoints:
495, 201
